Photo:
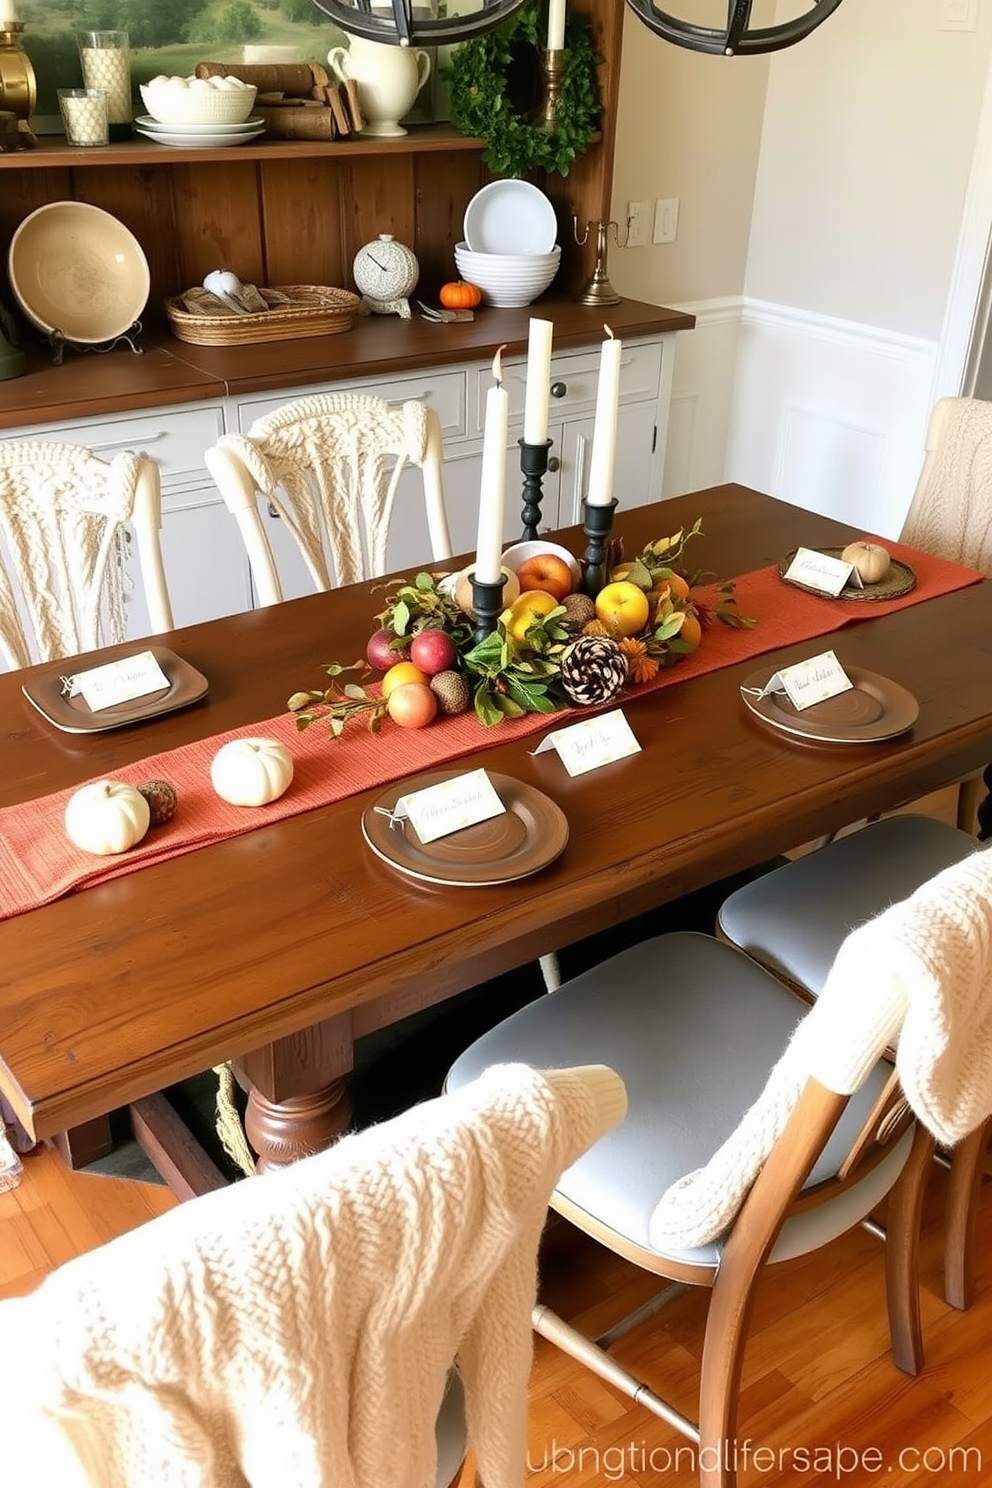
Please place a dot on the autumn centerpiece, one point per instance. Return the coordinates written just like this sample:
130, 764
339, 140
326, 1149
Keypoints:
552, 648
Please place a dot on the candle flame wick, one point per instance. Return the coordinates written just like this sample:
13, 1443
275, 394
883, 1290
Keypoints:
608, 331
498, 365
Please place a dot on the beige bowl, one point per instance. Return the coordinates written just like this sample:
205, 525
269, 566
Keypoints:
75, 269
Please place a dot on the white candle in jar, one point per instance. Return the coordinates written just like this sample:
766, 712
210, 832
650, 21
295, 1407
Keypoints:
489, 546
538, 382
556, 25
604, 435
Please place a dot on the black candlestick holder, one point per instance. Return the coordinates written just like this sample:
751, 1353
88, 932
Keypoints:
487, 604
533, 467
597, 524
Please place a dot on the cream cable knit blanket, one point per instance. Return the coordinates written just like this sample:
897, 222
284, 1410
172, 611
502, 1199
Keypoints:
951, 512
920, 972
296, 1331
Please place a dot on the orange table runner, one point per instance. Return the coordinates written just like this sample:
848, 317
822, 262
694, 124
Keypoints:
39, 864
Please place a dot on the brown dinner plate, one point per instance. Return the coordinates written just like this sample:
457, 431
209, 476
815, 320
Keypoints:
525, 838
900, 579
73, 715
874, 708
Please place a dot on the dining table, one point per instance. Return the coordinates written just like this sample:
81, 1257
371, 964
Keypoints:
278, 947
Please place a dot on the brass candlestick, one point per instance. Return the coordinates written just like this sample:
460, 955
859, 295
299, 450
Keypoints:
18, 89
553, 68
599, 290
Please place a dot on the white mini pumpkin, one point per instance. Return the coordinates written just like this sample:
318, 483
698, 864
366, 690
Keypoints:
106, 817
871, 560
251, 772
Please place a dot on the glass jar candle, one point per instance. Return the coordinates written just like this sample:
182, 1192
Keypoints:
106, 64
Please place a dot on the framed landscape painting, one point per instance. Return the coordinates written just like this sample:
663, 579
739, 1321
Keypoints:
169, 36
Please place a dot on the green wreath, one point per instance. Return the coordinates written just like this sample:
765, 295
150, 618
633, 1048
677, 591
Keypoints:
484, 86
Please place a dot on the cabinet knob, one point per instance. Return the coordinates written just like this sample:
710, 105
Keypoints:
554, 463
273, 510
559, 389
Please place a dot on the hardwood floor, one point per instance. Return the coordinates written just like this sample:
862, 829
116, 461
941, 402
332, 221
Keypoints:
821, 1400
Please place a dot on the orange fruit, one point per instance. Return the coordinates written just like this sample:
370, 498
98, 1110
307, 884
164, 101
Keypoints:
678, 586
401, 674
691, 632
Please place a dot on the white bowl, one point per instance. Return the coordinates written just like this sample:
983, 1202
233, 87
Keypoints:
196, 101
507, 286
508, 260
510, 214
521, 551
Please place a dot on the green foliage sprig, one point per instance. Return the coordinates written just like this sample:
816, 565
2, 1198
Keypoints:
479, 104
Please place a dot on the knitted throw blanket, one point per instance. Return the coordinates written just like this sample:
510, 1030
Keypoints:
921, 972
296, 1331
951, 512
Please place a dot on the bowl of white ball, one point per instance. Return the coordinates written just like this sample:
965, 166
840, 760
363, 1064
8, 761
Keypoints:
194, 100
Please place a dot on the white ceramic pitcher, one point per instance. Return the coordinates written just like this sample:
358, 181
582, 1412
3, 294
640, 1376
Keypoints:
388, 79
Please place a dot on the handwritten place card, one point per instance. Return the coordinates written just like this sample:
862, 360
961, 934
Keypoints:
591, 743
820, 571
119, 681
811, 681
450, 806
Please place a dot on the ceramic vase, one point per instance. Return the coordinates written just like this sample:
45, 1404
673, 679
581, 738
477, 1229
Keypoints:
388, 79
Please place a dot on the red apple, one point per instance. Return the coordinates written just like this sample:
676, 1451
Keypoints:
380, 654
433, 651
412, 706
547, 572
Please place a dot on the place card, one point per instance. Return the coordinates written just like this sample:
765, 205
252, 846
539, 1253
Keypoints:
810, 682
119, 681
441, 809
820, 571
593, 742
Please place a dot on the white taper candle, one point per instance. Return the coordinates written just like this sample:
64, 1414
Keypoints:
556, 25
538, 381
604, 436
489, 545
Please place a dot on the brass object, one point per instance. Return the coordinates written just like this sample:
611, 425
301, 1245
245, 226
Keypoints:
18, 89
553, 70
599, 290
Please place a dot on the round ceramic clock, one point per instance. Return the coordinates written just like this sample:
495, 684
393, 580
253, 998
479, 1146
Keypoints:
386, 273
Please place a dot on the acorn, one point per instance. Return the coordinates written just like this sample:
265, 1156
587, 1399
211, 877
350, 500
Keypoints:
579, 610
593, 669
452, 692
162, 801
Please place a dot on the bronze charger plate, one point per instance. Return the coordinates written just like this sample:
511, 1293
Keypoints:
874, 708
900, 579
525, 838
73, 715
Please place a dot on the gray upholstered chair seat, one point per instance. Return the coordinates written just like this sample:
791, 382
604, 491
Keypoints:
794, 919
693, 1028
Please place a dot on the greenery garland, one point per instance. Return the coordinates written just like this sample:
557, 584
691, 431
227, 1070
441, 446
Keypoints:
479, 105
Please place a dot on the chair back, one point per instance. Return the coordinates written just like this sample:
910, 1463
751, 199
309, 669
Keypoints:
329, 467
951, 511
65, 516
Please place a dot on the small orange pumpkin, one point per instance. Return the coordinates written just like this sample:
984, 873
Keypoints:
460, 296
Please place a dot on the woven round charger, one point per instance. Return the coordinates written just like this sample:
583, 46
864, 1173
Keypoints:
900, 579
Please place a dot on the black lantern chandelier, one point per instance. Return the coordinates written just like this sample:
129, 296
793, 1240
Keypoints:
409, 23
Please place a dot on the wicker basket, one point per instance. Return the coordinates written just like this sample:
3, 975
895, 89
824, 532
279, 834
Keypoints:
296, 310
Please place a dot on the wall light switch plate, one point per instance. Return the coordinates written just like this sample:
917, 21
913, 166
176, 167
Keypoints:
666, 219
638, 216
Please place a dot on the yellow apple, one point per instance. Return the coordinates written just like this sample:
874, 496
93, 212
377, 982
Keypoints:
623, 608
532, 605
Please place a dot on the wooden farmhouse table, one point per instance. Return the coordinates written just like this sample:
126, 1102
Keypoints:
279, 947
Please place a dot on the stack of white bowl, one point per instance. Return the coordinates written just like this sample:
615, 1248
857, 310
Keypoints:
199, 111
509, 250
507, 279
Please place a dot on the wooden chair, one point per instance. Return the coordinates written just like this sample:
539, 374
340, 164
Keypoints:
722, 1169
329, 467
64, 519
793, 921
302, 1328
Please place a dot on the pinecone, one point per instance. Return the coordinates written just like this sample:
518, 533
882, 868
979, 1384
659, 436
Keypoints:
162, 801
452, 692
579, 610
593, 669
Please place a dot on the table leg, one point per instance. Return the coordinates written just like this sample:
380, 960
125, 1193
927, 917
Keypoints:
985, 808
298, 1103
